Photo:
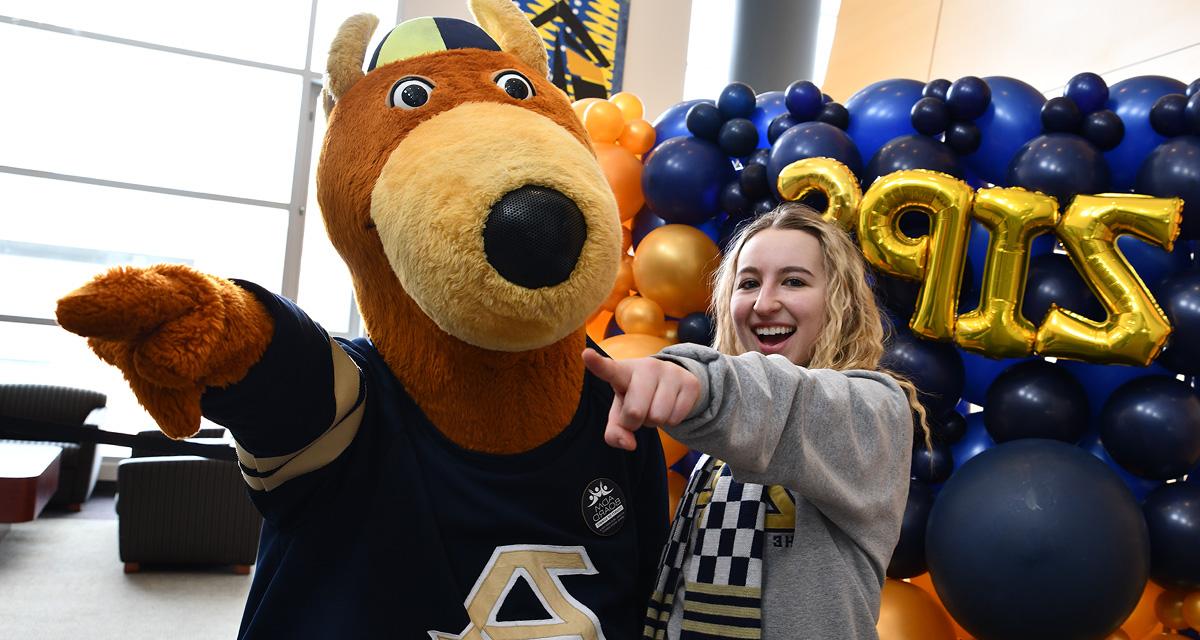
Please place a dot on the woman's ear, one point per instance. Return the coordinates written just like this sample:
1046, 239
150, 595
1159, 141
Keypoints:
504, 22
344, 65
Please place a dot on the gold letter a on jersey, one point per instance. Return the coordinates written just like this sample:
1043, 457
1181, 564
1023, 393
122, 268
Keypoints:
541, 566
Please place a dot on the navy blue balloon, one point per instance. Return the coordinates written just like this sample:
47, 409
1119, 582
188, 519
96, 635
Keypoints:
754, 183
767, 106
1179, 297
1191, 114
1139, 487
1103, 128
643, 223
1062, 165
696, 328
1132, 100
712, 227
931, 465
1173, 170
977, 247
912, 152
963, 137
897, 295
930, 116
1053, 279
1100, 380
1061, 115
612, 328
908, 560
733, 201
736, 101
803, 100
672, 123
766, 205
936, 89
948, 428
811, 140
981, 371
1037, 539
882, 111
834, 114
683, 179
738, 137
760, 156
968, 97
1166, 116
1036, 399
781, 123
975, 440
1151, 427
1173, 518
934, 368
704, 121
1013, 117
1192, 88
1088, 90
1152, 263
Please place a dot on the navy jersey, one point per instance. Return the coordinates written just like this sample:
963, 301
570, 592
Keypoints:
404, 534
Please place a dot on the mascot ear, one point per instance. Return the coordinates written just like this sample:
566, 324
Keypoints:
504, 22
346, 54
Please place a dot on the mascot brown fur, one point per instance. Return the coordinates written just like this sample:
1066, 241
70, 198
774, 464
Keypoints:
409, 482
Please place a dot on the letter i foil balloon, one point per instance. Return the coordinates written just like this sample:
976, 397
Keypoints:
1136, 328
831, 178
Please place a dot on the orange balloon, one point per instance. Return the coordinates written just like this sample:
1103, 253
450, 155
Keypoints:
630, 105
925, 582
603, 121
673, 266
906, 612
598, 324
624, 174
632, 345
673, 449
626, 240
1169, 609
1142, 620
671, 331
636, 314
579, 106
1167, 635
1118, 635
1191, 610
621, 287
675, 486
638, 136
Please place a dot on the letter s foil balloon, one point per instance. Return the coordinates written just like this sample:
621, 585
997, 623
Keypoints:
1012, 216
936, 259
831, 178
1136, 328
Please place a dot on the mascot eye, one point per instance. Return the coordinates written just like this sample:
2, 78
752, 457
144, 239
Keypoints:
515, 85
410, 93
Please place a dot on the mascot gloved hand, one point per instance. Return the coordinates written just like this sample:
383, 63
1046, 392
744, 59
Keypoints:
447, 477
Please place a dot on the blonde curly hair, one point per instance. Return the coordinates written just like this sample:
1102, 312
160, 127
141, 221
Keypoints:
854, 332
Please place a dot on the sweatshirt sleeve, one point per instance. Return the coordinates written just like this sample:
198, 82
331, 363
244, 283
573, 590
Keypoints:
840, 439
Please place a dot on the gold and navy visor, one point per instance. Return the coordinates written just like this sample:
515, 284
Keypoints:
427, 35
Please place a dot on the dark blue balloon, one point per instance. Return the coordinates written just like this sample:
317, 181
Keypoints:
672, 123
767, 106
963, 137
612, 328
1088, 90
1100, 380
981, 371
948, 428
736, 101
908, 560
1179, 297
968, 97
697, 328
738, 137
811, 140
712, 227
1036, 399
1062, 165
1152, 263
934, 368
1166, 116
977, 247
760, 156
1173, 518
931, 465
880, 112
911, 152
1053, 279
1192, 88
930, 116
1011, 119
1138, 486
1103, 128
1061, 115
1037, 539
754, 183
803, 100
733, 201
1151, 426
1191, 114
781, 123
975, 441
834, 114
897, 295
766, 205
1132, 100
643, 223
683, 179
704, 121
1173, 170
936, 89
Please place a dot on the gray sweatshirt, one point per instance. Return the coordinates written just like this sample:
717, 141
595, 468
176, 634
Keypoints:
842, 441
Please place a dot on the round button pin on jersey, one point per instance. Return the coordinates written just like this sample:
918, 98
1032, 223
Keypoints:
603, 506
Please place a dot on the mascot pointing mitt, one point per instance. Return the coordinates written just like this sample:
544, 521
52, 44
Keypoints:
447, 477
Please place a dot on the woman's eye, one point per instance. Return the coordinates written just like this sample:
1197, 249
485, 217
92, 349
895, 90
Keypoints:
410, 93
515, 85
747, 284
794, 282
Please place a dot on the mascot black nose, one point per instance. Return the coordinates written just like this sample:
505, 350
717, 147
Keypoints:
533, 237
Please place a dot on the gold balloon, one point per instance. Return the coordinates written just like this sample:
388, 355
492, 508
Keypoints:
636, 314
673, 266
671, 331
1169, 609
1191, 610
1012, 216
936, 259
1142, 620
906, 612
629, 104
621, 286
831, 178
1136, 328
632, 345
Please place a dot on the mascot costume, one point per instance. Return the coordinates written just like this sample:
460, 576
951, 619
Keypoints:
447, 477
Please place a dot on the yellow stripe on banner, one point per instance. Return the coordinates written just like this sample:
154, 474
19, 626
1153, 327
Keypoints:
723, 609
584, 68
411, 38
721, 631
724, 590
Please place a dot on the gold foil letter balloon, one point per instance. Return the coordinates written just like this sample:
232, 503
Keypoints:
831, 178
673, 266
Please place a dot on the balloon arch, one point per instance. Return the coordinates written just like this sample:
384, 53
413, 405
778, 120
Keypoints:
1038, 259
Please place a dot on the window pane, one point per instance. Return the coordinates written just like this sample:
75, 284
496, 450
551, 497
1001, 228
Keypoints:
325, 293
123, 113
269, 31
331, 14
55, 235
